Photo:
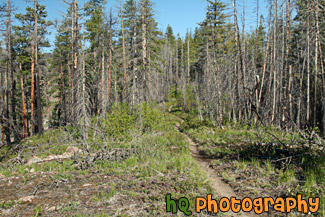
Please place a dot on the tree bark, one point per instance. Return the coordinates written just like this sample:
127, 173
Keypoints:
257, 80
240, 55
321, 63
308, 67
74, 58
265, 63
244, 61
288, 98
39, 105
84, 109
8, 70
32, 115
104, 76
110, 57
124, 55
176, 70
144, 49
274, 61
25, 130
135, 57
63, 95
315, 84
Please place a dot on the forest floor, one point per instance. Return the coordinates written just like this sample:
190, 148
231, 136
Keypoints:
55, 176
220, 187
258, 161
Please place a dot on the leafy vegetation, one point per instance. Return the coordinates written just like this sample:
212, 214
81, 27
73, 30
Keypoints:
162, 164
285, 160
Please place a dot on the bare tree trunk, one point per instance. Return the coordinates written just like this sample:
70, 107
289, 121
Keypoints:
135, 58
308, 67
84, 111
321, 63
32, 115
149, 76
240, 55
290, 93
3, 102
39, 105
63, 95
176, 72
25, 131
124, 55
300, 92
257, 80
289, 97
235, 89
104, 76
206, 78
315, 85
188, 58
74, 58
72, 65
274, 60
183, 78
110, 58
8, 70
265, 63
187, 76
144, 48
244, 60
282, 74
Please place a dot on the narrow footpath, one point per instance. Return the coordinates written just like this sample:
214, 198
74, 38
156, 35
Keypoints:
221, 188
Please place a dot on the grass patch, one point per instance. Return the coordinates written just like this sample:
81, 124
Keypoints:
7, 204
264, 157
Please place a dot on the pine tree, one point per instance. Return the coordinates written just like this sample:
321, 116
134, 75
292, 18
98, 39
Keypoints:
62, 54
94, 11
29, 35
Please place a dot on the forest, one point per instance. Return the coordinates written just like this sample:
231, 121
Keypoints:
107, 98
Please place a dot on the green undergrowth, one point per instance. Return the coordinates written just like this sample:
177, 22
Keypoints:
115, 130
162, 153
274, 158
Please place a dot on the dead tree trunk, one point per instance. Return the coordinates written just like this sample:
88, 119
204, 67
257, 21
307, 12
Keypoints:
257, 80
321, 63
124, 55
244, 62
83, 95
274, 60
110, 58
144, 50
25, 130
63, 95
264, 64
240, 55
315, 84
32, 114
288, 98
104, 80
8, 70
135, 57
308, 67
74, 58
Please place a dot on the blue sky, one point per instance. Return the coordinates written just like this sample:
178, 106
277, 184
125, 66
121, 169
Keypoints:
180, 14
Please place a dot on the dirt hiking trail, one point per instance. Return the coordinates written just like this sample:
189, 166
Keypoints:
221, 188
